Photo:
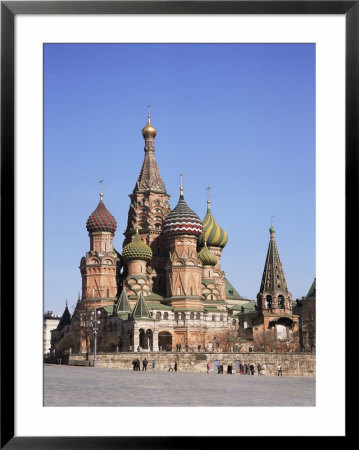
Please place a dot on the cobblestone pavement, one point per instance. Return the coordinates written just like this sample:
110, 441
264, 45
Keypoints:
88, 386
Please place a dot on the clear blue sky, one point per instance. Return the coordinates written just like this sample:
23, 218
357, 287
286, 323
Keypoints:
238, 117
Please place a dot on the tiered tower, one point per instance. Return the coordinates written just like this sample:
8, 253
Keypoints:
184, 269
273, 295
100, 265
148, 209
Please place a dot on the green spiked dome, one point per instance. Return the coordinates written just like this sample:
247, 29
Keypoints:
207, 257
212, 232
137, 249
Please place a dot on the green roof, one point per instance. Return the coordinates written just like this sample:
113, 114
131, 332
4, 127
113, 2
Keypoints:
108, 309
208, 281
158, 306
122, 304
154, 296
231, 292
312, 290
124, 316
245, 308
141, 310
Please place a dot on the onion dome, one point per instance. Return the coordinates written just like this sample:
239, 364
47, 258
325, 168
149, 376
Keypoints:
137, 249
213, 233
149, 130
101, 219
182, 220
207, 257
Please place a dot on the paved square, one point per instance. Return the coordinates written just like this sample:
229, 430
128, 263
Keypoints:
87, 386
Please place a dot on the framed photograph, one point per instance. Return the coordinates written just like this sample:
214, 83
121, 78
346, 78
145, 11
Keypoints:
256, 105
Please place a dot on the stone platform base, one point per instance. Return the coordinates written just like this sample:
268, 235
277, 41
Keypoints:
293, 364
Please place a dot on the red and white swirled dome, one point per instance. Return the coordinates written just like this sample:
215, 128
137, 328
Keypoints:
182, 220
101, 220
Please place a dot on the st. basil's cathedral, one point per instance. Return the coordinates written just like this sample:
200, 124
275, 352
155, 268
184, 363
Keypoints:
166, 290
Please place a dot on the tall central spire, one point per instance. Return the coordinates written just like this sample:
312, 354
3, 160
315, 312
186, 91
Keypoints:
150, 177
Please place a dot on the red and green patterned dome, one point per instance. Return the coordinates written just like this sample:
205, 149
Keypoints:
101, 220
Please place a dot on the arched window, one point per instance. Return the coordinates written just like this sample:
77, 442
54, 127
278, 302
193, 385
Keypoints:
191, 291
191, 316
221, 317
269, 301
108, 292
198, 316
280, 301
176, 315
165, 315
158, 315
213, 318
183, 316
234, 322
178, 291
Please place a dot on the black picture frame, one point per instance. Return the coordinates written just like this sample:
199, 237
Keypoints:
9, 9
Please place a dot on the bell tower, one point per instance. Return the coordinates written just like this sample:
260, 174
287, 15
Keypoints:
273, 295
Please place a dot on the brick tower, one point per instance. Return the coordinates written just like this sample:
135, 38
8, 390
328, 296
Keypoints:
148, 209
184, 269
275, 327
99, 266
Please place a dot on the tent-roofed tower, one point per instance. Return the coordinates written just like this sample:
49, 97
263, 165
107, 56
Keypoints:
148, 209
273, 294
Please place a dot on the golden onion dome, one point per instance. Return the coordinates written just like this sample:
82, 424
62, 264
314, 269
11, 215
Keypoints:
137, 249
149, 130
207, 257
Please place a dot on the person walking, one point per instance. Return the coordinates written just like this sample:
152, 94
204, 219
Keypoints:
251, 367
279, 370
171, 367
176, 366
144, 365
153, 365
208, 367
263, 371
241, 368
259, 369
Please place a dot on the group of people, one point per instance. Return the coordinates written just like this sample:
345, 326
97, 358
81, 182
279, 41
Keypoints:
137, 365
246, 369
172, 366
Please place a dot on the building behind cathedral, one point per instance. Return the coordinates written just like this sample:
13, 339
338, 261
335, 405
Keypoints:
166, 290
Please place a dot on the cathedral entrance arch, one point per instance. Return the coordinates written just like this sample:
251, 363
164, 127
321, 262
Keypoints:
149, 339
165, 340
